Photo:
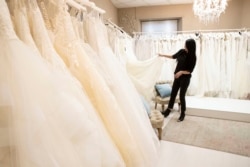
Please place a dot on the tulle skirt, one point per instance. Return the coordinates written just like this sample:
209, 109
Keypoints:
46, 125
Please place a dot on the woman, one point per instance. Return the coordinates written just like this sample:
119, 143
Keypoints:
186, 60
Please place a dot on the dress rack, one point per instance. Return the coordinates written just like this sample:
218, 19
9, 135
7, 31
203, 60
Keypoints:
192, 31
108, 22
90, 5
76, 5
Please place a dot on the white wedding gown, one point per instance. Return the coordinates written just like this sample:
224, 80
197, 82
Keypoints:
124, 131
83, 67
50, 125
124, 92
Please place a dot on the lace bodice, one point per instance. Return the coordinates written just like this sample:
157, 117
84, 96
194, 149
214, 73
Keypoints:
65, 29
66, 40
6, 27
22, 28
96, 33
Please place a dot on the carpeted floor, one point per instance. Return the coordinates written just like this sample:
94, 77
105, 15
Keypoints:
221, 135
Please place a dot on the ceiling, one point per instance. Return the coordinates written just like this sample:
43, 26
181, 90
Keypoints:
138, 3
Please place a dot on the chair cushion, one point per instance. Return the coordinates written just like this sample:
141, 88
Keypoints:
156, 119
163, 90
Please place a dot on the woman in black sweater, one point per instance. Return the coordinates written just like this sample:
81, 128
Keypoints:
186, 60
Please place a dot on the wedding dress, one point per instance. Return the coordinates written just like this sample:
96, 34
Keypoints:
144, 75
81, 66
209, 86
124, 91
240, 81
21, 24
148, 46
110, 156
72, 51
49, 126
79, 35
32, 133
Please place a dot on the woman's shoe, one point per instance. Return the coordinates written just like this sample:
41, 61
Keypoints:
181, 118
166, 112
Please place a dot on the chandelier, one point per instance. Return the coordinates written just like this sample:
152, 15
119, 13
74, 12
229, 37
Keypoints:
209, 10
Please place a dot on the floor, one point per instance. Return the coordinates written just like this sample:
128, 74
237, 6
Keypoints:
179, 155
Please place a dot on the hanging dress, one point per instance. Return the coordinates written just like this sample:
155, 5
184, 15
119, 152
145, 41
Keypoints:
49, 126
81, 65
124, 91
34, 139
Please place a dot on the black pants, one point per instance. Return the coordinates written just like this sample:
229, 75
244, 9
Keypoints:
181, 83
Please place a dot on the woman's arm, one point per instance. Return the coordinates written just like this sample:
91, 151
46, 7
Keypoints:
178, 74
174, 56
168, 56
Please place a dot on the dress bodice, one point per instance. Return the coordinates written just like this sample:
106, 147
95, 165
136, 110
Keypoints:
65, 33
22, 29
6, 27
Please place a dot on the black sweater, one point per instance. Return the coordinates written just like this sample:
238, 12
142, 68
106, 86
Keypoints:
185, 62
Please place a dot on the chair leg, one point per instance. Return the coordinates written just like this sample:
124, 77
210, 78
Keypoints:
155, 105
159, 133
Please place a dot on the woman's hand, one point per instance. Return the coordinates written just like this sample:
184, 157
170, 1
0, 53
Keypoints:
178, 74
160, 55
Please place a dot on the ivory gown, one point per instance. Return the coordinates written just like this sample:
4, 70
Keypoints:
51, 124
131, 131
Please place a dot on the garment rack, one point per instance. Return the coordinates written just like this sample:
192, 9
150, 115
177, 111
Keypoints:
74, 4
108, 21
91, 5
193, 31
113, 25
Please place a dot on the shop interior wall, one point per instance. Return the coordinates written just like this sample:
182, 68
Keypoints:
111, 10
236, 16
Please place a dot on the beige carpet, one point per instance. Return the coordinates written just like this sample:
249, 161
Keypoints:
221, 135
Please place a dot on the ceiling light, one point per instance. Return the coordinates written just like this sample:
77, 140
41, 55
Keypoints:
209, 10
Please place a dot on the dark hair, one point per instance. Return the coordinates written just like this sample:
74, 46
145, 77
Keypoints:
191, 47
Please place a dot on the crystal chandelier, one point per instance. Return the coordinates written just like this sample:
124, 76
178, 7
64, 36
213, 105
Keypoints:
209, 10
